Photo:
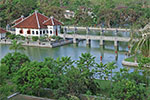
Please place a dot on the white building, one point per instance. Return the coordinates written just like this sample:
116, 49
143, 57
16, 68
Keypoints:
2, 33
69, 14
37, 24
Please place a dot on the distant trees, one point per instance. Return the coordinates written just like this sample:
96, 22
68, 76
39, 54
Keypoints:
110, 13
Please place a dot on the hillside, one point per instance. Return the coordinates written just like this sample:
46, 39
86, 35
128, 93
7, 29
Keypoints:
109, 13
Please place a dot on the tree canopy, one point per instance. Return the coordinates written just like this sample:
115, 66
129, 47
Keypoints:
114, 13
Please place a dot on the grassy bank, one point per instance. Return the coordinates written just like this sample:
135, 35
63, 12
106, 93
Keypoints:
132, 58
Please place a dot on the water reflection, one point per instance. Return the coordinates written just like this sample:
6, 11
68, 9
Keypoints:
107, 52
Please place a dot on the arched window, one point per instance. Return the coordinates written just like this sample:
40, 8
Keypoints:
21, 31
28, 32
50, 32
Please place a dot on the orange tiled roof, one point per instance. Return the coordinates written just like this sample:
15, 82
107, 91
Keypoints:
34, 21
2, 30
18, 20
52, 21
37, 21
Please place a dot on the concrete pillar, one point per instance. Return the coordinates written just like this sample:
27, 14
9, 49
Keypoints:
65, 31
88, 41
116, 55
101, 42
116, 45
74, 40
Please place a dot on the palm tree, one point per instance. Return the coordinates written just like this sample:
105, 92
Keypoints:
142, 43
16, 46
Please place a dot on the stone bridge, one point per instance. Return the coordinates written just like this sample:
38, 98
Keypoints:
98, 28
88, 38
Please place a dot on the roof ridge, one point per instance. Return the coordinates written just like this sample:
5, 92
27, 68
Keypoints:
23, 20
21, 17
43, 15
46, 20
2, 30
58, 20
52, 20
37, 19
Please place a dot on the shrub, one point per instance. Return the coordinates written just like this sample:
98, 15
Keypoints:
35, 38
129, 86
12, 36
56, 37
7, 34
42, 38
20, 37
14, 61
61, 30
128, 90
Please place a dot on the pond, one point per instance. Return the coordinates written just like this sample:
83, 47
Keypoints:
74, 51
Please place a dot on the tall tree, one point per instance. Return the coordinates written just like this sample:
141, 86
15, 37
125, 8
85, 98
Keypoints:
16, 46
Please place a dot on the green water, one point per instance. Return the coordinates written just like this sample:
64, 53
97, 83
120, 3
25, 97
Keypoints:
74, 51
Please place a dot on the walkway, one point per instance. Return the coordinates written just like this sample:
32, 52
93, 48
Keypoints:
116, 39
98, 28
39, 44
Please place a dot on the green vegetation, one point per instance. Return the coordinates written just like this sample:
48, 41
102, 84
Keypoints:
143, 42
67, 78
20, 37
11, 36
16, 46
132, 58
5, 87
35, 38
129, 86
56, 37
116, 13
14, 61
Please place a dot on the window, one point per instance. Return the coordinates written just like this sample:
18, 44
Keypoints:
50, 32
28, 32
32, 32
43, 31
40, 32
37, 32
21, 31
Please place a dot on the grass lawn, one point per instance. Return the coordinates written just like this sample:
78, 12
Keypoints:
131, 59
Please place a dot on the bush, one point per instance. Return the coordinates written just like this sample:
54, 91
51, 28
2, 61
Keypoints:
129, 86
20, 37
14, 61
12, 36
56, 37
42, 38
129, 90
61, 31
35, 38
7, 34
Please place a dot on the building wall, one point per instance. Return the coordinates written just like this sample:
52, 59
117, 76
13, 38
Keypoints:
50, 31
2, 35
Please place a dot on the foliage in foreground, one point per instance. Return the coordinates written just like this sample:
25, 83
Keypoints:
5, 88
129, 86
14, 61
69, 79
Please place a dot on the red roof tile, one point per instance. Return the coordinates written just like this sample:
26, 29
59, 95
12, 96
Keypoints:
2, 31
34, 21
37, 21
18, 20
52, 21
